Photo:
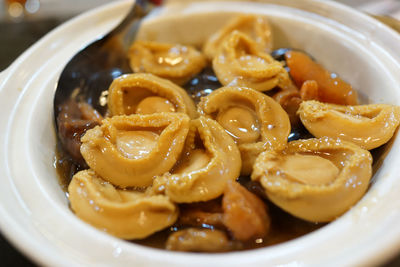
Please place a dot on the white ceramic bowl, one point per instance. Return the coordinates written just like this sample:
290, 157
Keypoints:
34, 213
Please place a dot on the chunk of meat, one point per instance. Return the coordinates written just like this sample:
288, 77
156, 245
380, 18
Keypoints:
198, 218
245, 215
290, 101
309, 90
73, 120
202, 214
332, 89
89, 113
200, 240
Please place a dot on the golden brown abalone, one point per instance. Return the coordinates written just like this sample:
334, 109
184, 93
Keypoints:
254, 120
315, 179
239, 62
131, 150
210, 159
255, 27
174, 62
368, 126
142, 93
123, 213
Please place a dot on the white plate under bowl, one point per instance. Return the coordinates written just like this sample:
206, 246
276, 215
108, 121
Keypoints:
34, 213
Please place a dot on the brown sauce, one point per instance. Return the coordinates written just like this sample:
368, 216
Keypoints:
202, 84
66, 167
284, 227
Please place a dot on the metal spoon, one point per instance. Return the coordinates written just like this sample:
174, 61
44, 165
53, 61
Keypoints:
90, 72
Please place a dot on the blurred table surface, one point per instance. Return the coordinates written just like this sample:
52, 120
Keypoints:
18, 34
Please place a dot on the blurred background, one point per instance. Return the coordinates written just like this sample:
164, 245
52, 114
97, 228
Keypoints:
23, 22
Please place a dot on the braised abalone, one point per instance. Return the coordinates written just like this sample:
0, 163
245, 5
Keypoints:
124, 149
255, 27
221, 176
145, 93
127, 214
315, 179
368, 126
210, 159
177, 63
254, 120
240, 62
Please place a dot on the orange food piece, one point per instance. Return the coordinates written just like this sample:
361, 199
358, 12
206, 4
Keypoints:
309, 90
331, 89
245, 215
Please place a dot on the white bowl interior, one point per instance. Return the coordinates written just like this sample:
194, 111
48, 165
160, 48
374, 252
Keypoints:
34, 197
